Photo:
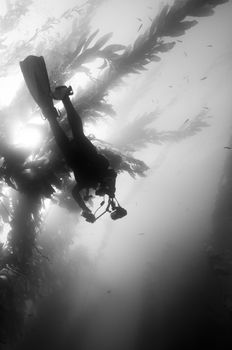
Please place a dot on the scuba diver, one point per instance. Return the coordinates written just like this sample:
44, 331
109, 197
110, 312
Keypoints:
91, 169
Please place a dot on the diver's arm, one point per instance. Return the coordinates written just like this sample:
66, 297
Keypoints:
78, 198
87, 214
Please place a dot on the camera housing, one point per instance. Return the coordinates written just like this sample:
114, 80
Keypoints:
118, 213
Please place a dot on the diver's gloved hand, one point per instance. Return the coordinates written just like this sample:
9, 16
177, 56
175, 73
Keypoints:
89, 217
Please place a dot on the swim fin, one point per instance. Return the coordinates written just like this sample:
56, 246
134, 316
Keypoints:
36, 77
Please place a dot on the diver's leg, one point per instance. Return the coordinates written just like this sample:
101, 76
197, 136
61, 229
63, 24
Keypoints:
74, 118
61, 138
78, 198
75, 122
86, 213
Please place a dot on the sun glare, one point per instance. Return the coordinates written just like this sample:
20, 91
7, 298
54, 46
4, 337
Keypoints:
28, 137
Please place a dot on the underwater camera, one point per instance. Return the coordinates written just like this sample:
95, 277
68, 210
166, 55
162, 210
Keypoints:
113, 207
118, 213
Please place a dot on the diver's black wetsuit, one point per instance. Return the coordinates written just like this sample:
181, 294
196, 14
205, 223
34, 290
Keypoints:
88, 165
